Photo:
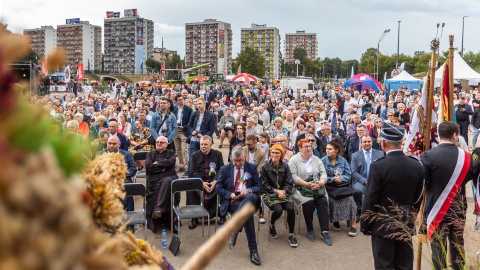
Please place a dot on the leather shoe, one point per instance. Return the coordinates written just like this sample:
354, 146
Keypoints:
222, 221
255, 258
193, 224
233, 239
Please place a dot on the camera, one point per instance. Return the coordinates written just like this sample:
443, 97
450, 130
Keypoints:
164, 130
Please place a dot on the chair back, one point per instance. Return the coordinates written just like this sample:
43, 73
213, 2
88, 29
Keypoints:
187, 184
140, 155
135, 189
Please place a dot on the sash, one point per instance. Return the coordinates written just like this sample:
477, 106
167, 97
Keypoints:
477, 196
445, 200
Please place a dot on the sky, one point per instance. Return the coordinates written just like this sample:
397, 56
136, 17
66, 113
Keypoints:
345, 28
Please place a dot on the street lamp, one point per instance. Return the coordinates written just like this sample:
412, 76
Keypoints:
463, 25
378, 49
297, 62
398, 44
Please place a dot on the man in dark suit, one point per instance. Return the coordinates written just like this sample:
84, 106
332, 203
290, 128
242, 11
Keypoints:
202, 122
447, 169
462, 114
394, 189
325, 136
113, 131
99, 106
355, 144
183, 114
360, 166
247, 100
238, 184
209, 97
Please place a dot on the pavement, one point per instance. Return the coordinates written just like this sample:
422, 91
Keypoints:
345, 253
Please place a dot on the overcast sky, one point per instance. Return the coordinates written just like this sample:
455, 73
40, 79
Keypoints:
345, 28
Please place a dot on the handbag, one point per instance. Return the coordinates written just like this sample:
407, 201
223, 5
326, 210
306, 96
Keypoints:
307, 192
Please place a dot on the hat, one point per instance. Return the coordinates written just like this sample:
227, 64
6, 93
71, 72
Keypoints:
392, 132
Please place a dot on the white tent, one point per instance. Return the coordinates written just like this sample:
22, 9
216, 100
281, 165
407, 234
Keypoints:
404, 79
461, 70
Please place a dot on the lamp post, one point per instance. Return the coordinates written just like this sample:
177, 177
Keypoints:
463, 25
297, 62
398, 44
385, 32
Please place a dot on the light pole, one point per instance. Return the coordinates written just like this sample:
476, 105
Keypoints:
398, 44
463, 25
297, 62
378, 49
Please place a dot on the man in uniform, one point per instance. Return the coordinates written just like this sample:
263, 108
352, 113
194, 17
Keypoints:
447, 169
394, 188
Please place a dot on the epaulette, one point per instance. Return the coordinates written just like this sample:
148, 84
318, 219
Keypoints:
379, 159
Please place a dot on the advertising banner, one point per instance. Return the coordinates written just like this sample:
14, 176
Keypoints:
80, 72
44, 67
139, 31
116, 15
130, 12
72, 21
67, 74
109, 14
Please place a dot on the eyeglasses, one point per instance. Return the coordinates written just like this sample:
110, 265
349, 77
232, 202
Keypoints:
390, 115
307, 147
275, 153
312, 140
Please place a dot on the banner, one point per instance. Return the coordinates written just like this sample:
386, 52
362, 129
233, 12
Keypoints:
80, 72
116, 15
72, 21
139, 31
130, 12
44, 67
109, 14
67, 74
445, 93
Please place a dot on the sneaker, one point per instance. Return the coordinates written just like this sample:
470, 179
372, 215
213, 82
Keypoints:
273, 232
293, 241
326, 238
477, 226
353, 232
336, 226
311, 235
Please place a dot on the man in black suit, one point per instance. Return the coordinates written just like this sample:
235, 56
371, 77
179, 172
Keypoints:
209, 97
462, 113
325, 136
247, 100
183, 114
238, 184
113, 131
447, 169
355, 144
394, 189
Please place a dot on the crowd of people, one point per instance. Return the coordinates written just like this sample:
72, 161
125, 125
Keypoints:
287, 150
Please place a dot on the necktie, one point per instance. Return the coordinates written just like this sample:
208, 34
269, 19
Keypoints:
328, 139
237, 177
367, 161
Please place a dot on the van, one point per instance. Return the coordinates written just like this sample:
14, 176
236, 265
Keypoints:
296, 83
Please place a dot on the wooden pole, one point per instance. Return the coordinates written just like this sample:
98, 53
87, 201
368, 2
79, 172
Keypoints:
451, 79
215, 244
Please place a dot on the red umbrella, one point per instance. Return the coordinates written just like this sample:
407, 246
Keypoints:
199, 79
244, 77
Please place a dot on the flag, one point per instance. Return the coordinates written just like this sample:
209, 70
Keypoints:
80, 73
384, 77
402, 66
110, 14
352, 73
334, 122
44, 67
176, 66
445, 103
67, 74
239, 69
414, 143
163, 68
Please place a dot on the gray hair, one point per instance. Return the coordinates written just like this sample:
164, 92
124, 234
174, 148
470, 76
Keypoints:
238, 151
396, 144
72, 123
206, 138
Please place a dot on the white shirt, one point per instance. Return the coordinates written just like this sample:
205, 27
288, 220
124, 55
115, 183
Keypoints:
308, 164
197, 127
179, 115
251, 158
345, 106
359, 101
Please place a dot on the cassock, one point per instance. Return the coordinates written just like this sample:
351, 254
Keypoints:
206, 167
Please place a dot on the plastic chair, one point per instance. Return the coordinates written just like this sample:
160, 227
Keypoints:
140, 155
136, 216
189, 211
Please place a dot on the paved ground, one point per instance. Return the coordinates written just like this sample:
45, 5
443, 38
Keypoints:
346, 253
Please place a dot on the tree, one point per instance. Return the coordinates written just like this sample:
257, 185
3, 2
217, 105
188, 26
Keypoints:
252, 62
151, 63
300, 54
368, 61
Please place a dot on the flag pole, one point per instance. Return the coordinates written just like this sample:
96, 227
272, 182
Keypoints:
421, 237
451, 79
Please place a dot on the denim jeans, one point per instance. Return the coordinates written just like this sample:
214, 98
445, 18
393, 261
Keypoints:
475, 137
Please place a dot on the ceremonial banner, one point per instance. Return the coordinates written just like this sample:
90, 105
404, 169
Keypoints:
80, 72
445, 93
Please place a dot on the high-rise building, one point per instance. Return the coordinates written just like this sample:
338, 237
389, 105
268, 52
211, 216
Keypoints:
128, 43
267, 41
300, 39
209, 41
82, 43
43, 39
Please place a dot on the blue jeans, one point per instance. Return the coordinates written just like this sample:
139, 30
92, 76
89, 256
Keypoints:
475, 137
192, 148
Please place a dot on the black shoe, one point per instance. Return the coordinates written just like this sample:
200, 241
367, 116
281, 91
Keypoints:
336, 226
157, 214
193, 224
222, 221
255, 258
293, 241
273, 232
353, 232
233, 239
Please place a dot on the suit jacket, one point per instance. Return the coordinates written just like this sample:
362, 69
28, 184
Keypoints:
208, 123
439, 164
100, 106
186, 114
358, 164
209, 98
390, 183
225, 183
258, 157
322, 143
123, 141
354, 145
128, 158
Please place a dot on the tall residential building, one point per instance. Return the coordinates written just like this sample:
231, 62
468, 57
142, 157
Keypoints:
300, 39
209, 41
128, 44
267, 41
82, 43
43, 39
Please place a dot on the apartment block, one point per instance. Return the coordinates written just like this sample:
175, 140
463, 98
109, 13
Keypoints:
82, 43
300, 39
128, 44
267, 41
209, 41
43, 39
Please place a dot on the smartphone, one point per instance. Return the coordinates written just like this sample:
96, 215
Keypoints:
237, 193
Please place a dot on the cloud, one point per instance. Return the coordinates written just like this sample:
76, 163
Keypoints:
164, 28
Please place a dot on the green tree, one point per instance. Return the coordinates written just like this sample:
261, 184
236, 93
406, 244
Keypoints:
300, 54
472, 59
368, 61
151, 63
252, 62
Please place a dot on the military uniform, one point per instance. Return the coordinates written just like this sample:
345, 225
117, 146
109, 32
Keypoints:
393, 190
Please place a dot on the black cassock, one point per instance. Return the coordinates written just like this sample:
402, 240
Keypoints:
207, 168
160, 174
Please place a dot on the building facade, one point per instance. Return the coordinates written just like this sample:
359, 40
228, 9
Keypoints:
209, 41
128, 44
82, 43
43, 39
300, 39
162, 54
267, 41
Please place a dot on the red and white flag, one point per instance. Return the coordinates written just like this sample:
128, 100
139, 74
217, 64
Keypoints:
80, 73
44, 67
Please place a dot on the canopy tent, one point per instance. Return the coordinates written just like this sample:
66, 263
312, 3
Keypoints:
402, 80
363, 80
461, 71
244, 77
